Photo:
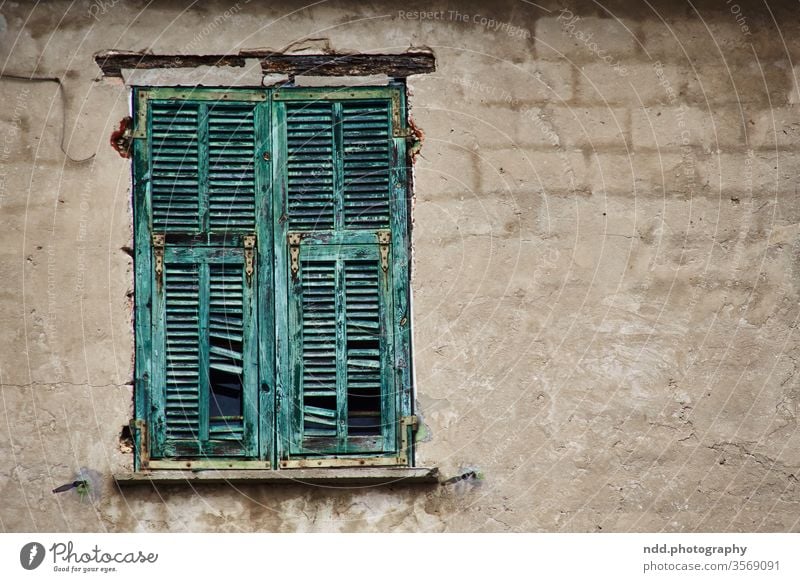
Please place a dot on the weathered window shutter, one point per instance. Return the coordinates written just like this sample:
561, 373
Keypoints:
271, 257
341, 171
196, 202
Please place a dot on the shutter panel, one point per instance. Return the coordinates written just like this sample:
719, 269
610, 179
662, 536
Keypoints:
309, 165
366, 142
205, 343
338, 163
339, 306
231, 171
202, 166
175, 166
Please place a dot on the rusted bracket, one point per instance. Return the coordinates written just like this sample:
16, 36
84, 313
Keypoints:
249, 256
406, 423
399, 127
294, 252
158, 255
140, 426
384, 238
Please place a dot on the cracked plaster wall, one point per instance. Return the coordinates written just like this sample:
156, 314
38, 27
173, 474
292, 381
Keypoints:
605, 305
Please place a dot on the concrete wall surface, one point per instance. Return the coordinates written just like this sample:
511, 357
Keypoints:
605, 278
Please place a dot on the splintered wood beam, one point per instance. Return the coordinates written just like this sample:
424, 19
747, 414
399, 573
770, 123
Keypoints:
417, 62
112, 62
400, 65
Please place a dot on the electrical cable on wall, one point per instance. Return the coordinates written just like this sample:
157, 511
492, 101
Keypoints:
27, 78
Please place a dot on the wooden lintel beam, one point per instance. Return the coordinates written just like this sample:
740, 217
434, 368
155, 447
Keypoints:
112, 63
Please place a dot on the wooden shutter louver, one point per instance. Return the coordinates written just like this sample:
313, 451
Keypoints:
309, 165
208, 350
231, 171
271, 257
175, 170
366, 144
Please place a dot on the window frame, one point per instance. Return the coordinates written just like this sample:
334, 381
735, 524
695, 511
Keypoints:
272, 263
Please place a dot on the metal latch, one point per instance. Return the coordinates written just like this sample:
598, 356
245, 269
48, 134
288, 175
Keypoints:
294, 253
384, 238
158, 254
249, 255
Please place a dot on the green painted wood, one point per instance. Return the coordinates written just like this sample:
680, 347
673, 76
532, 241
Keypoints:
207, 94
366, 155
207, 319
363, 186
142, 287
264, 285
174, 165
338, 168
202, 165
204, 382
280, 213
340, 322
400, 268
331, 94
340, 352
232, 158
307, 136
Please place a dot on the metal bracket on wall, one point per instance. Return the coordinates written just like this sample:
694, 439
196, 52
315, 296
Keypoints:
249, 255
294, 252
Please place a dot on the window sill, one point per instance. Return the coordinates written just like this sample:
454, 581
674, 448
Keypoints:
329, 477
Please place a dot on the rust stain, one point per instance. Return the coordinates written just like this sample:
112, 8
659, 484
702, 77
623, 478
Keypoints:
121, 138
417, 137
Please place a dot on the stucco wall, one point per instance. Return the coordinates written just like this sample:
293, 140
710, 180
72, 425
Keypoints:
605, 266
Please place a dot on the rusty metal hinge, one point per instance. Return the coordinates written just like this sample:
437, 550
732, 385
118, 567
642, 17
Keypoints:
158, 254
294, 252
398, 127
140, 426
384, 238
249, 256
406, 423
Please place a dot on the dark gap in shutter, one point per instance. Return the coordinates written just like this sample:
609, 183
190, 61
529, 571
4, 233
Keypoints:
363, 348
225, 351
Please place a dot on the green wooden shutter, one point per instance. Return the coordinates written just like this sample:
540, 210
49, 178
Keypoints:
341, 187
204, 355
197, 174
